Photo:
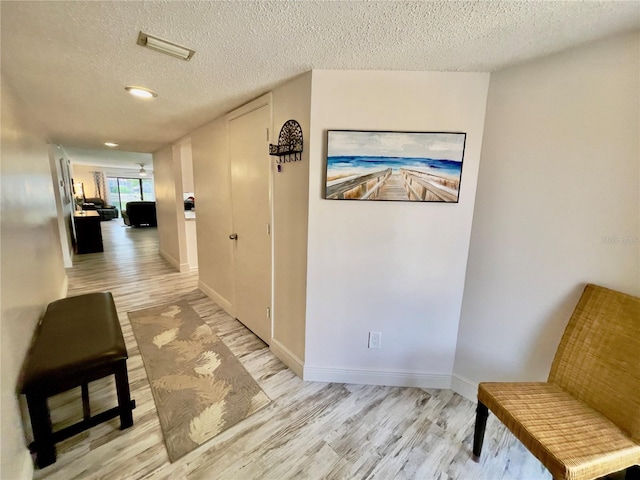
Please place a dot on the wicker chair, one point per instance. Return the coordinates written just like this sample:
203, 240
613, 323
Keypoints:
584, 422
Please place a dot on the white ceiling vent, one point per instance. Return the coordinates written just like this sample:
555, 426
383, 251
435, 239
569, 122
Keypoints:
160, 45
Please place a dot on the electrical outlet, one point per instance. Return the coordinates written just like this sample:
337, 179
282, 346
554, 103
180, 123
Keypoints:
375, 339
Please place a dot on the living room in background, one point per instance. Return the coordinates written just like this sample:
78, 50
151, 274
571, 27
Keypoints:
123, 190
396, 166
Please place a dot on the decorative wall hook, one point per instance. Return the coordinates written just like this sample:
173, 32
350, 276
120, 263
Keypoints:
289, 147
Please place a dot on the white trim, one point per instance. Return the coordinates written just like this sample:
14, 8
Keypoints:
287, 357
64, 289
465, 387
216, 297
26, 472
377, 377
181, 267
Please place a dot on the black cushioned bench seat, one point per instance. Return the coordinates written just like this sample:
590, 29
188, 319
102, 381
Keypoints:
79, 340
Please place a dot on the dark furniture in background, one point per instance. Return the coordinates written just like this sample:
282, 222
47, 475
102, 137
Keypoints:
88, 232
79, 340
137, 214
107, 212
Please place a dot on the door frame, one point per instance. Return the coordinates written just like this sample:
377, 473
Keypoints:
264, 100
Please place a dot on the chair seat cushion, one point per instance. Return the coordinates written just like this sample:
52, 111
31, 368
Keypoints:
571, 439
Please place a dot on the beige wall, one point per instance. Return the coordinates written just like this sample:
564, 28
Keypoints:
289, 203
168, 189
31, 264
290, 221
392, 267
413, 354
186, 162
84, 174
558, 206
213, 209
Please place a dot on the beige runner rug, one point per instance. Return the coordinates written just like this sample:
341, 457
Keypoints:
199, 387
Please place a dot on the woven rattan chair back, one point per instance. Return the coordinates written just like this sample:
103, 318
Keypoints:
598, 360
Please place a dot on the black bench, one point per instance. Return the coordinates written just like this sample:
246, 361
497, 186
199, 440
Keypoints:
79, 340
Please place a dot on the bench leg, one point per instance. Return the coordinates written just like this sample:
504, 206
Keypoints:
44, 445
632, 473
482, 412
124, 397
86, 406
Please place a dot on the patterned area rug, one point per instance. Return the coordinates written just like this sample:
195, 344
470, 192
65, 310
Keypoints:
199, 387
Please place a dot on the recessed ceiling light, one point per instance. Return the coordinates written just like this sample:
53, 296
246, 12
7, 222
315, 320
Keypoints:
111, 144
161, 45
141, 92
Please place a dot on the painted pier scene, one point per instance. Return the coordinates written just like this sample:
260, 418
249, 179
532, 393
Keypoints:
403, 166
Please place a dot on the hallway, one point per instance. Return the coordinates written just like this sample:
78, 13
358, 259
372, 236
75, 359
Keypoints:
309, 431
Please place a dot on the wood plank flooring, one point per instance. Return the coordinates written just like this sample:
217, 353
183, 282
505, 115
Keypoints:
310, 430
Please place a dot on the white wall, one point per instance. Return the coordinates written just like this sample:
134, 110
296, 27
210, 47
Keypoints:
31, 266
184, 159
290, 218
169, 207
558, 205
393, 267
186, 162
192, 243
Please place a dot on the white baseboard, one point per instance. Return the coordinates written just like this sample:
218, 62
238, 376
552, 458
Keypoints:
377, 377
26, 472
465, 387
181, 267
287, 357
216, 297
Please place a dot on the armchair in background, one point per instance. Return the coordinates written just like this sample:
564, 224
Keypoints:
137, 214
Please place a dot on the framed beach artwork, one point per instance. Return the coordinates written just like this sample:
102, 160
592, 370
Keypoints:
397, 166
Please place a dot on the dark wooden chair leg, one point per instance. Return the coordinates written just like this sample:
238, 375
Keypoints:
632, 473
86, 406
124, 396
482, 412
43, 444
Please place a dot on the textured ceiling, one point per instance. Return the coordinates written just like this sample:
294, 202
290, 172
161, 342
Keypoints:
70, 61
112, 160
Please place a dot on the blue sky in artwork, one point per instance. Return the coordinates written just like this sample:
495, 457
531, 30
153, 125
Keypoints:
446, 146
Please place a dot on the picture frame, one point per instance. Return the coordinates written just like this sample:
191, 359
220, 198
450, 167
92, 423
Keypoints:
65, 181
394, 166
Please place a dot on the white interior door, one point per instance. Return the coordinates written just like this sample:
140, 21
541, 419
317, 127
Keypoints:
250, 172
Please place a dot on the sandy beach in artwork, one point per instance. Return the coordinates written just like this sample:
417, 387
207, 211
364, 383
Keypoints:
406, 166
393, 179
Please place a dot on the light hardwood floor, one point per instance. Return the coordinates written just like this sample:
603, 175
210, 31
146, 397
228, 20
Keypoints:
309, 431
